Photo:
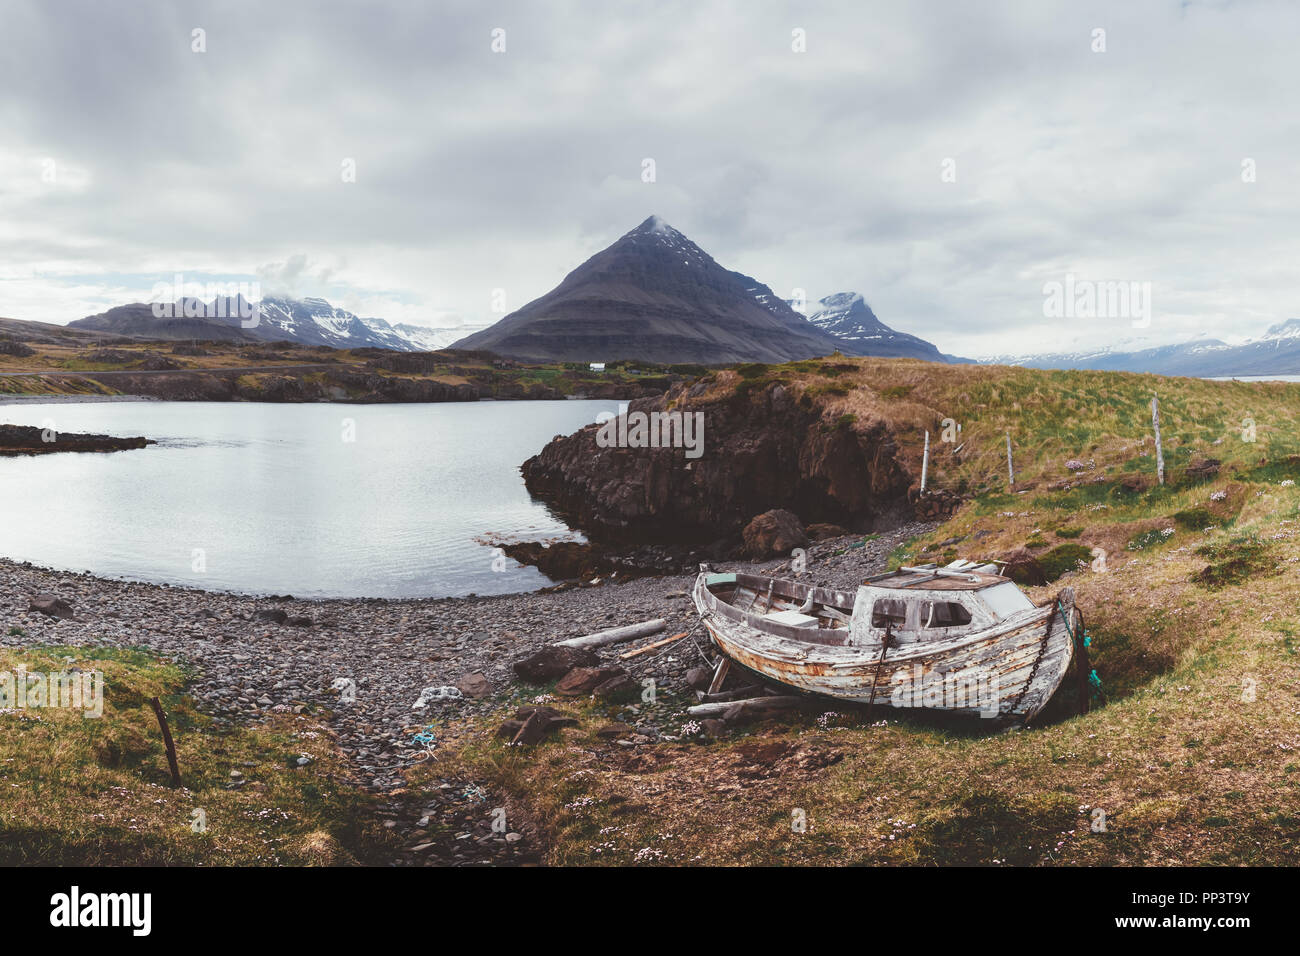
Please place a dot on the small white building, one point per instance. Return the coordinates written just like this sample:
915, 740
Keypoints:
598, 366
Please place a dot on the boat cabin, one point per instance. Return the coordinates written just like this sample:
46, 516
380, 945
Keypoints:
912, 605
930, 603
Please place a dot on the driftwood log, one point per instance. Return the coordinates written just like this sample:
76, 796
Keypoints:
616, 635
650, 647
740, 693
752, 705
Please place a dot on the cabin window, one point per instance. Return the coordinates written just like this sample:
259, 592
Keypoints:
943, 614
1005, 599
887, 611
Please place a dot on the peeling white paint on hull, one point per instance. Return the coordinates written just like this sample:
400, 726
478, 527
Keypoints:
1008, 671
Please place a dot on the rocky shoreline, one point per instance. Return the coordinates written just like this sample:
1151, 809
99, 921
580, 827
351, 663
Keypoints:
255, 656
31, 440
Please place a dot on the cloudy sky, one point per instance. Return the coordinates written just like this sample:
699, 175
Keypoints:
946, 160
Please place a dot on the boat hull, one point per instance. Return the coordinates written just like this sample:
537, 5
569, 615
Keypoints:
1005, 673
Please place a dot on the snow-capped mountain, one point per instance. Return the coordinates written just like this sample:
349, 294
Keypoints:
847, 317
653, 294
310, 321
1276, 352
314, 321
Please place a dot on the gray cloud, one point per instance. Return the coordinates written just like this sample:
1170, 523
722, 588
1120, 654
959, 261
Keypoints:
817, 170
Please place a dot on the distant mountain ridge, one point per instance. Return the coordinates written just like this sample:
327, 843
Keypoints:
847, 317
309, 321
652, 294
1276, 352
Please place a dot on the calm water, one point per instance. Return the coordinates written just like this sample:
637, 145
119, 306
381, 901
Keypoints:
271, 498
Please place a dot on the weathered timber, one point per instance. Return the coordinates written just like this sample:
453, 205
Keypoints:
740, 693
1155, 425
719, 675
650, 647
752, 704
616, 635
925, 461
167, 741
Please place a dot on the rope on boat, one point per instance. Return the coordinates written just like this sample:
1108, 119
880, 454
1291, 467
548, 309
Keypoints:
694, 643
689, 633
1083, 640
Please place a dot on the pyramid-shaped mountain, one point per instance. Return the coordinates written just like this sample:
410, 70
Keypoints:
657, 296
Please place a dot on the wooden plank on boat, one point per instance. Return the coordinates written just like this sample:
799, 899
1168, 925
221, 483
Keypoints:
836, 614
616, 635
650, 647
752, 704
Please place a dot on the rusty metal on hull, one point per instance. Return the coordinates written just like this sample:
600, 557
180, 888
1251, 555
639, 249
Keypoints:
1007, 671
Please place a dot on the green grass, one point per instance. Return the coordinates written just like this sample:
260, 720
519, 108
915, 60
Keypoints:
1235, 561
97, 791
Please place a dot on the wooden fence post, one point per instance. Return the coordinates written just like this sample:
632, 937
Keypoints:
1160, 454
167, 741
1011, 471
925, 461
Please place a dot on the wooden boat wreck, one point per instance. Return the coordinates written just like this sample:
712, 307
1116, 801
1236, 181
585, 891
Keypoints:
960, 638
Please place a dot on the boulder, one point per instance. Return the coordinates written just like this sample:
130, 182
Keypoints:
774, 533
532, 731
274, 614
822, 530
523, 713
713, 727
699, 678
614, 731
51, 606
582, 681
532, 724
553, 662
509, 729
619, 688
474, 685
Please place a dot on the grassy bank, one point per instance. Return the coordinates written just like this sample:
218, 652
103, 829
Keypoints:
77, 790
1189, 593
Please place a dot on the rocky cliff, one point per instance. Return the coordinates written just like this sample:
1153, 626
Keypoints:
771, 446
